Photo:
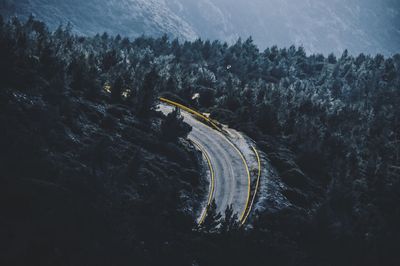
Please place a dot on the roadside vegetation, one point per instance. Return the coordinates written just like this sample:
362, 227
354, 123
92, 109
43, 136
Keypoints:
91, 174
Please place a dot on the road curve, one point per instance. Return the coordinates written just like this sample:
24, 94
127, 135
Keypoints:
231, 185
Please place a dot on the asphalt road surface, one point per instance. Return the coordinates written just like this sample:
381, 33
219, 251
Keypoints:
231, 178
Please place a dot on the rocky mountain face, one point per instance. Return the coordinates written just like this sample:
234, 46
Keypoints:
126, 17
366, 26
319, 26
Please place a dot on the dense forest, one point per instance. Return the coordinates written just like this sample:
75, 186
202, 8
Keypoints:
91, 175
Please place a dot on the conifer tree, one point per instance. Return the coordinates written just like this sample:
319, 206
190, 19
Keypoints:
212, 219
230, 221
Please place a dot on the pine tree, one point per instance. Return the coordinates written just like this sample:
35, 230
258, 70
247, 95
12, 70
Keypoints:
116, 89
332, 59
212, 220
109, 60
173, 126
146, 95
230, 221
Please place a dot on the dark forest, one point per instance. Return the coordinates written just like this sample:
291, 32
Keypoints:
92, 174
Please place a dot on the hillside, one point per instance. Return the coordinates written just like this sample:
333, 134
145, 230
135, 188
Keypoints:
360, 26
85, 178
92, 174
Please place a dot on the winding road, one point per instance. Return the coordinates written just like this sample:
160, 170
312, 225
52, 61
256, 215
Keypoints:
231, 185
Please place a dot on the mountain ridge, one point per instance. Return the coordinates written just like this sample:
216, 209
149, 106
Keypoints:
320, 27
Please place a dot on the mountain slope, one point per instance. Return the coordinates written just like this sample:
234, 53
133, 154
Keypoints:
321, 27
126, 17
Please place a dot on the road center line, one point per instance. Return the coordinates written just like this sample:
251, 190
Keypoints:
212, 124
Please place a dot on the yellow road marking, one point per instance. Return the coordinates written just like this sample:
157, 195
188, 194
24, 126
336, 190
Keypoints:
229, 141
211, 193
257, 184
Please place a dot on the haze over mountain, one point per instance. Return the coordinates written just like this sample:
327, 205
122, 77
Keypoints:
366, 26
